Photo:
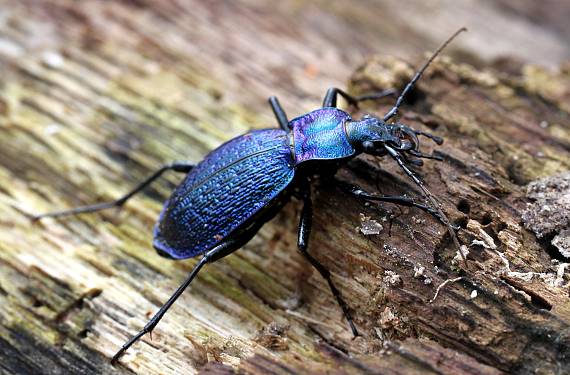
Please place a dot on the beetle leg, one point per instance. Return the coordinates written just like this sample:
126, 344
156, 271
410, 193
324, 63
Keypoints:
450, 228
395, 199
182, 167
279, 113
303, 244
333, 93
221, 250
156, 318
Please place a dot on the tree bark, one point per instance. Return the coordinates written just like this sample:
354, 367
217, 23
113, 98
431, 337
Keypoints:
97, 95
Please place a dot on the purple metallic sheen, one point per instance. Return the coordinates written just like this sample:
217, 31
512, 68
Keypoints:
320, 135
230, 186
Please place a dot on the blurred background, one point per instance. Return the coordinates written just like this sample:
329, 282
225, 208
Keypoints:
292, 48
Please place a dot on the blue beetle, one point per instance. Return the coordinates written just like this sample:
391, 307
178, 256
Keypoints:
225, 199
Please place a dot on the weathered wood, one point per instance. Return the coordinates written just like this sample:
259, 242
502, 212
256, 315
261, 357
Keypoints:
96, 95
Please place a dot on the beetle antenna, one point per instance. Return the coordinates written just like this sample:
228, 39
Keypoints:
396, 156
419, 154
434, 138
418, 75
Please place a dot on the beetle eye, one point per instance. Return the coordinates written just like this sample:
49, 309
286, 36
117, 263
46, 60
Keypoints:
367, 146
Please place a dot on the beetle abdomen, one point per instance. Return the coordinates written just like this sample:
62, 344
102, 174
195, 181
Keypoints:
231, 185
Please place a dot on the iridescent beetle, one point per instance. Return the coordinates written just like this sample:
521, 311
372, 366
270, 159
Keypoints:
225, 199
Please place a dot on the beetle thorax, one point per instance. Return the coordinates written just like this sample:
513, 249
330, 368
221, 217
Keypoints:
320, 135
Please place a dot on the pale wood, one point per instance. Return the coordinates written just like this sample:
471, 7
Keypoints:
96, 95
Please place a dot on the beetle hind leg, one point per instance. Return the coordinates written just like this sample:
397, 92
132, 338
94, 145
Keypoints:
158, 316
225, 248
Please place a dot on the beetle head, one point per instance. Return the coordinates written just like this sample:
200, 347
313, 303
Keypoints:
372, 136
378, 137
402, 138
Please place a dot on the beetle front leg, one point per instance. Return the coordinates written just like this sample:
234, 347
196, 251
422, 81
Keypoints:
279, 113
395, 199
303, 244
333, 93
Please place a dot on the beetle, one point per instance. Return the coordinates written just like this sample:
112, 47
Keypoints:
226, 198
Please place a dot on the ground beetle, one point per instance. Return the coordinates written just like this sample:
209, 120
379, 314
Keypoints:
226, 198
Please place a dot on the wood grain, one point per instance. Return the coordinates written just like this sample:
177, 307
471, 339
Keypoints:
96, 95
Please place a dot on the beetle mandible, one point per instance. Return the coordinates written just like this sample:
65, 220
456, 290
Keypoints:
226, 198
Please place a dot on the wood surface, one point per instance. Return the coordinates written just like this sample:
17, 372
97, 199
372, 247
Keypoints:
96, 95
